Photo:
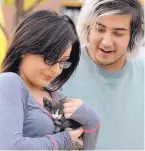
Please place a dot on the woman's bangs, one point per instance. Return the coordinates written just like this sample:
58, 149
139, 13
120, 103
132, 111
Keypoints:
55, 50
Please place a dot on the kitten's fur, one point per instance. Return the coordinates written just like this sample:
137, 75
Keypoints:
61, 123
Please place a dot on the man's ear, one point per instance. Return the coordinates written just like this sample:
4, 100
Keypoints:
88, 28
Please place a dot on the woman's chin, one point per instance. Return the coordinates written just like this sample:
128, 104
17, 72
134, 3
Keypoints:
45, 84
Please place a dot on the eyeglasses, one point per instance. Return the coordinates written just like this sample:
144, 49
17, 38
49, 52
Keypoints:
62, 64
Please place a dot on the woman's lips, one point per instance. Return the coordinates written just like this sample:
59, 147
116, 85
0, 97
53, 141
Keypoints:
46, 77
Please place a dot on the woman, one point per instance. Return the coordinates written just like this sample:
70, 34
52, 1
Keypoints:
45, 51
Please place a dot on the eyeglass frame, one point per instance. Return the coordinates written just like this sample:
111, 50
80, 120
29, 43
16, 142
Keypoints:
51, 63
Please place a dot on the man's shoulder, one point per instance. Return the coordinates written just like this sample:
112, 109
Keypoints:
138, 63
84, 59
83, 51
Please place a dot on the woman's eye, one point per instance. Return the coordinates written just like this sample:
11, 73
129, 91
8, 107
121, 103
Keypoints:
65, 64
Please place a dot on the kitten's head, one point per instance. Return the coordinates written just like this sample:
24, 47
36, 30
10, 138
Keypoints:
55, 107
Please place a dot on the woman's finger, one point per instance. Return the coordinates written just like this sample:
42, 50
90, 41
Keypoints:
69, 110
79, 131
68, 105
80, 141
73, 102
68, 115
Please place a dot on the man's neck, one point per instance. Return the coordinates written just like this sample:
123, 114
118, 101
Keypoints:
116, 66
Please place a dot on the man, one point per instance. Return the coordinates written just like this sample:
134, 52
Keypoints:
105, 78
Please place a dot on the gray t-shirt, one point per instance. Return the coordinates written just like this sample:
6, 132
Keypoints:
24, 124
117, 96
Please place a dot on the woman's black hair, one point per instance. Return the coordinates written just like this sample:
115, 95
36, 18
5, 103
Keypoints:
44, 33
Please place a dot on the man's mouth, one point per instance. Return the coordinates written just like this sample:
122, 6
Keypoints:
106, 51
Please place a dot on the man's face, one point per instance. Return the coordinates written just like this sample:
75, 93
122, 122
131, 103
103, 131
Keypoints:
109, 40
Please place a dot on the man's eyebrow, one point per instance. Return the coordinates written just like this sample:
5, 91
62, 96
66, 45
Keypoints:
100, 24
122, 29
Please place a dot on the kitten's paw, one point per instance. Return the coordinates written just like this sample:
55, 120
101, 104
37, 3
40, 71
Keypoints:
68, 129
56, 122
57, 129
76, 145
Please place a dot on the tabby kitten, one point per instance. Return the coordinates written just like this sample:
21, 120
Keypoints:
60, 122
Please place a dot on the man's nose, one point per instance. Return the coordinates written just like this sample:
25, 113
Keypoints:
107, 41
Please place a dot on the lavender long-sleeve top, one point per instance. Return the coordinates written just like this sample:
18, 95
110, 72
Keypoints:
24, 124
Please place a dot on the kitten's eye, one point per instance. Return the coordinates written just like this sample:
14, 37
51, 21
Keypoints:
52, 112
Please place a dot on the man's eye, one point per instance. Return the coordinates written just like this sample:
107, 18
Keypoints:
118, 35
101, 30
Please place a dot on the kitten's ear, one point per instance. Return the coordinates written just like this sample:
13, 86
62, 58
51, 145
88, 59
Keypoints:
63, 100
46, 102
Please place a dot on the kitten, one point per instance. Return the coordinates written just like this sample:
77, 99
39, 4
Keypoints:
60, 122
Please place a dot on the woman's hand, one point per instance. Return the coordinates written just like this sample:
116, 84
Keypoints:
75, 135
81, 112
70, 106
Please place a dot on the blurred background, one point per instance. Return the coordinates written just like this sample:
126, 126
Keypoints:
12, 12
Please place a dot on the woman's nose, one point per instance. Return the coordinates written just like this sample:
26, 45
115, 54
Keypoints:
55, 69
